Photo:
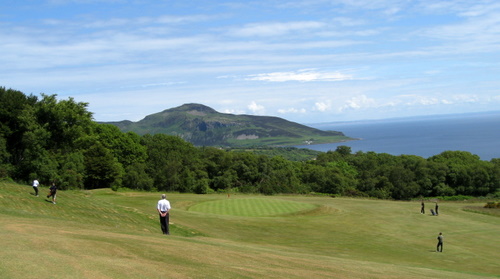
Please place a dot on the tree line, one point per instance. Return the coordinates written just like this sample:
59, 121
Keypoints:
58, 141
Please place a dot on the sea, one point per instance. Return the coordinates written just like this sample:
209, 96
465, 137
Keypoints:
424, 136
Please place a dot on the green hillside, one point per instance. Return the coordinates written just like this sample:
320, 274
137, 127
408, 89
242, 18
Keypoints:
105, 234
203, 126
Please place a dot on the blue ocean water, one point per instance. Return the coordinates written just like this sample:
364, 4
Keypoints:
478, 133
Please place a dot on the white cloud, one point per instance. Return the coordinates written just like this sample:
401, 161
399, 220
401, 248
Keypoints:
418, 54
302, 75
461, 8
255, 108
419, 100
292, 110
427, 101
322, 106
349, 21
465, 98
359, 102
275, 29
476, 27
415, 100
233, 111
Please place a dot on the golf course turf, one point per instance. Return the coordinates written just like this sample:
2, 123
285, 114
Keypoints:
106, 234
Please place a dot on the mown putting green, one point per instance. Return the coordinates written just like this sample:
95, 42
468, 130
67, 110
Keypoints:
253, 207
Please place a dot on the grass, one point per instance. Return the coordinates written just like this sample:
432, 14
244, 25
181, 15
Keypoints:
105, 234
483, 210
251, 207
287, 141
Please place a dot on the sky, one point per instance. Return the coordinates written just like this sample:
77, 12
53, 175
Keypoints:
307, 61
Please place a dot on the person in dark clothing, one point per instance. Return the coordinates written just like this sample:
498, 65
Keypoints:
422, 210
437, 207
439, 247
52, 193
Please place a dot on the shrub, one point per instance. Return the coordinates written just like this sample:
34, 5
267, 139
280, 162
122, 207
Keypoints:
352, 192
456, 198
492, 205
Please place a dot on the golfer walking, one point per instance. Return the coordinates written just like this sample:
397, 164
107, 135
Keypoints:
163, 208
52, 193
35, 186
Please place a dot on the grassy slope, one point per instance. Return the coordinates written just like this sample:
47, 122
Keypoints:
102, 234
184, 120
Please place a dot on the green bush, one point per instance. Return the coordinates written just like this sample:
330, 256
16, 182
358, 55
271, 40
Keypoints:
492, 205
455, 198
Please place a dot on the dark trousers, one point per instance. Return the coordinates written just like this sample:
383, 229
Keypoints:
36, 191
439, 247
164, 223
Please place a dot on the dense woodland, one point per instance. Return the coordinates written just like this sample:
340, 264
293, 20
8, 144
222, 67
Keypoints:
58, 141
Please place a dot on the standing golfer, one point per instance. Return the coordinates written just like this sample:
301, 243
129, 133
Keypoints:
163, 208
437, 207
35, 186
422, 210
439, 247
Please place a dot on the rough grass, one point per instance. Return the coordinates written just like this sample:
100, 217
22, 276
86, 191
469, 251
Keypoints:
105, 234
483, 210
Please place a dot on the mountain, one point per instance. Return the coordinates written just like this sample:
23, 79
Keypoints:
203, 126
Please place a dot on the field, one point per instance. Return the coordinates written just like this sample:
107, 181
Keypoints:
106, 234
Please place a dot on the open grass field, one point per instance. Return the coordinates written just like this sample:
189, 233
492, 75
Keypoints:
105, 234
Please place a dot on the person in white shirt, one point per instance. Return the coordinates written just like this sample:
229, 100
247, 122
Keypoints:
35, 186
163, 208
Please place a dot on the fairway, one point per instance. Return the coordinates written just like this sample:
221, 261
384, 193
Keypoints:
106, 234
251, 207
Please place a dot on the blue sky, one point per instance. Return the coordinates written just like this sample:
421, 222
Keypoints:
307, 61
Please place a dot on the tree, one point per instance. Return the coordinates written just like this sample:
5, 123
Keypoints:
404, 183
137, 178
5, 168
168, 156
33, 159
466, 173
126, 147
343, 150
14, 104
281, 178
65, 120
72, 171
101, 168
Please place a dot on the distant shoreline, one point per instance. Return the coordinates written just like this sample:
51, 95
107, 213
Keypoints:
408, 118
476, 133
